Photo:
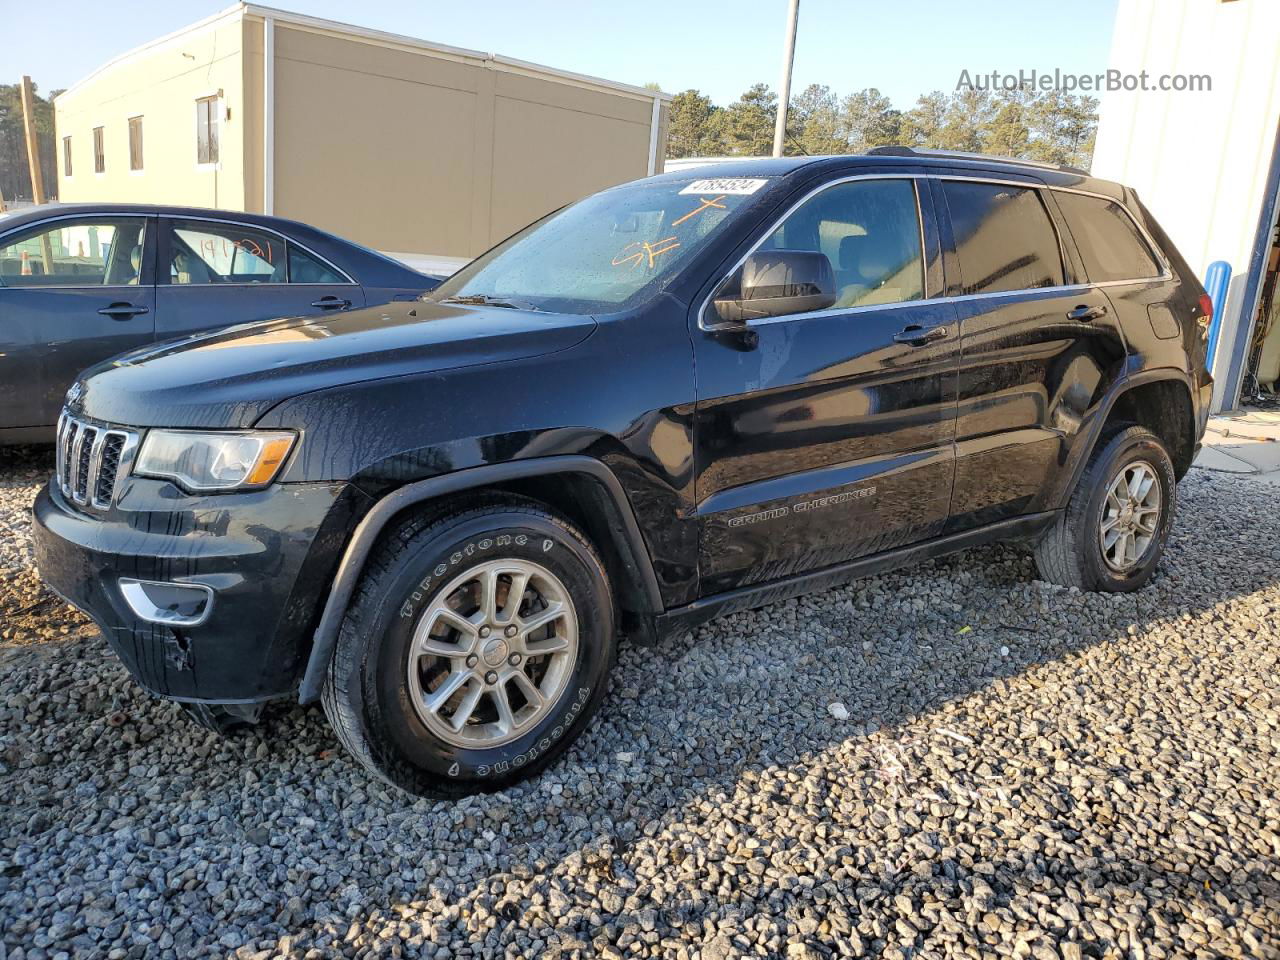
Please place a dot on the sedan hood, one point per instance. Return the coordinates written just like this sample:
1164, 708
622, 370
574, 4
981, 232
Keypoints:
231, 377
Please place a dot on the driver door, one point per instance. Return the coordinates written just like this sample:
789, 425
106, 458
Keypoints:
827, 435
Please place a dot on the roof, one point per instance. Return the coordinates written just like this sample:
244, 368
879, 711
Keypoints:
492, 61
39, 212
368, 264
733, 167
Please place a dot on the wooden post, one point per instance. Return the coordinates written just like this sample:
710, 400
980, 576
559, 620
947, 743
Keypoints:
33, 145
33, 162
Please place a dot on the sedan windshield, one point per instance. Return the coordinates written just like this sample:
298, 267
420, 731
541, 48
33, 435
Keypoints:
609, 252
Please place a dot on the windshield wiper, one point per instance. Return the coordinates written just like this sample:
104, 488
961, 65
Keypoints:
485, 300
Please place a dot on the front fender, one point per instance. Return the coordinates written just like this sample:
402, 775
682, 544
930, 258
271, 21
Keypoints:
385, 510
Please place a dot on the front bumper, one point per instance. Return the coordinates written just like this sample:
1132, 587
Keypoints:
267, 556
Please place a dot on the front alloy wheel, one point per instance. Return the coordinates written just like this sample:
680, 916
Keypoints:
475, 650
492, 653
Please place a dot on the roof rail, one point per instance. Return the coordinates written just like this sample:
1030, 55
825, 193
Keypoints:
896, 150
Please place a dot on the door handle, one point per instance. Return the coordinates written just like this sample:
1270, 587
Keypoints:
918, 335
1085, 313
329, 303
122, 310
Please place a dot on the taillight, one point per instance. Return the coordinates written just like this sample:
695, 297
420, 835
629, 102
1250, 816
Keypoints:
1206, 315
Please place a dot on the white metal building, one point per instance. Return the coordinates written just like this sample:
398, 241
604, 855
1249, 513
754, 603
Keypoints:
1206, 162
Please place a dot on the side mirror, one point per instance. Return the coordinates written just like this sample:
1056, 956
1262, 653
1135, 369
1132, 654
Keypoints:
780, 282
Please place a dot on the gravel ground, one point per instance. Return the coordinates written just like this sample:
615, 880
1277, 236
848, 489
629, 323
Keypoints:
956, 760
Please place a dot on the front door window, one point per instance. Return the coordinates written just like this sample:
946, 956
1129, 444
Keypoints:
75, 253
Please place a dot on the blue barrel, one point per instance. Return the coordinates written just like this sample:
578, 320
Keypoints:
1216, 281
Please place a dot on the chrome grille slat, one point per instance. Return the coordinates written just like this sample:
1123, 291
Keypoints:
91, 457
85, 443
109, 467
77, 465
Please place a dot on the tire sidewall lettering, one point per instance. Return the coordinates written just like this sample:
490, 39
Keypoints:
412, 749
485, 544
538, 749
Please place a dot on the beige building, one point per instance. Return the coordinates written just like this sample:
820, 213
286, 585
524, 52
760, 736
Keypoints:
427, 152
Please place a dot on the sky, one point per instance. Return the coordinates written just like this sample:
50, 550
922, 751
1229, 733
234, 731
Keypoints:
903, 47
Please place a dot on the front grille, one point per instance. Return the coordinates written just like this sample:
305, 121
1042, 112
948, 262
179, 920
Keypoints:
91, 457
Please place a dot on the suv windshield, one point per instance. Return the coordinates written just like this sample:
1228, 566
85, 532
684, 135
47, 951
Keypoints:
611, 251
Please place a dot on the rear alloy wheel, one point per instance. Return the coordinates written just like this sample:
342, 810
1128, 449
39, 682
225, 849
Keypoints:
475, 650
1112, 533
1130, 522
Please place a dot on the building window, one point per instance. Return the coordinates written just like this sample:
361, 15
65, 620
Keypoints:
135, 143
99, 160
66, 156
207, 130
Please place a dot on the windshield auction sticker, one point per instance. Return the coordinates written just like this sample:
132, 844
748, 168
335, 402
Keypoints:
727, 186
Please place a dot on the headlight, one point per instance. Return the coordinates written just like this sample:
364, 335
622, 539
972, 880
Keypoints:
200, 462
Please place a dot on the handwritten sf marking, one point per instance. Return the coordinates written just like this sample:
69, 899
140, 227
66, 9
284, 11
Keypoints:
706, 205
650, 250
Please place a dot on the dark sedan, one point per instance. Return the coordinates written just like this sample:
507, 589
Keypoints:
83, 282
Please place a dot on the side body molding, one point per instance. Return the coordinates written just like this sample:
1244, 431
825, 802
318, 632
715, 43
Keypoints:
366, 535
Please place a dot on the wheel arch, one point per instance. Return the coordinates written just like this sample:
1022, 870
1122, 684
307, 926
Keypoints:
1160, 400
581, 487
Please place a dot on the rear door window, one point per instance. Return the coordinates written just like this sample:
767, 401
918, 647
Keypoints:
1004, 238
1109, 242
204, 253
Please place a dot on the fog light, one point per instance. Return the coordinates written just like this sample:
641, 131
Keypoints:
175, 604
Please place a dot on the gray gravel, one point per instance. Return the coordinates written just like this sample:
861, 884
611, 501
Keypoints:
1016, 770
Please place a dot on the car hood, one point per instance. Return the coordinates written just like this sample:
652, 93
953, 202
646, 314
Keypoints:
231, 377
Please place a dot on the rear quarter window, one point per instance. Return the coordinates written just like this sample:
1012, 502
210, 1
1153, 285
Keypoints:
1109, 242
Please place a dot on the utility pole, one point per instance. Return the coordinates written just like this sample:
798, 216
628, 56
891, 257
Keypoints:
33, 145
784, 88
33, 161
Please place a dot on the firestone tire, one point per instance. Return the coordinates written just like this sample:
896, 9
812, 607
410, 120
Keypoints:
1072, 552
377, 692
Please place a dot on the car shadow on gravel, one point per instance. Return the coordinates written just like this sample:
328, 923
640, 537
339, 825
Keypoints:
967, 685
1002, 743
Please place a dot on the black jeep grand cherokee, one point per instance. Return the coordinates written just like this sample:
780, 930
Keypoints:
679, 397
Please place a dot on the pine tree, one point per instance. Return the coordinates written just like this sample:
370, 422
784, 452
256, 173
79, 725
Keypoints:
1053, 126
869, 120
967, 118
748, 123
813, 123
15, 175
689, 124
922, 124
1007, 134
